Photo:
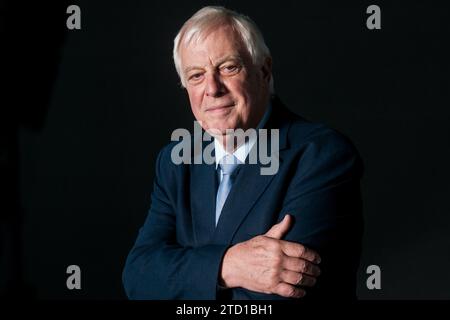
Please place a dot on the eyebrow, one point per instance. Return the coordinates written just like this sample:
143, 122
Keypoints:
222, 60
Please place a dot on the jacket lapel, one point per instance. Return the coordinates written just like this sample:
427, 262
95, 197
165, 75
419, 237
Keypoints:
250, 184
203, 201
247, 188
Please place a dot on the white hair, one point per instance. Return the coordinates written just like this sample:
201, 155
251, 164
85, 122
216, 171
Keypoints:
209, 19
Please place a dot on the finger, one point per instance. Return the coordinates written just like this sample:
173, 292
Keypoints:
297, 279
289, 291
301, 265
280, 229
298, 250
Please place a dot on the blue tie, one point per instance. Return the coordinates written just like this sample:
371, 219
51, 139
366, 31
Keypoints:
227, 164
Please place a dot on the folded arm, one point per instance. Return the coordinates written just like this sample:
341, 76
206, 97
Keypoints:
325, 203
160, 268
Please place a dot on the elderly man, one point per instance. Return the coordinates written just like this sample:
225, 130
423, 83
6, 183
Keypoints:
226, 231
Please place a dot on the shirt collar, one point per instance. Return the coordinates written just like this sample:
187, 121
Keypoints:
243, 150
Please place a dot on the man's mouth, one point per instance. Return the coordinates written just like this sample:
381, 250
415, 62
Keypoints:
220, 108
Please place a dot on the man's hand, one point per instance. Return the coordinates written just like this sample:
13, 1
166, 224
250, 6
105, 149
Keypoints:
270, 265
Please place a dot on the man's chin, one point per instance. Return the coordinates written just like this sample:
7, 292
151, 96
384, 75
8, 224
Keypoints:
219, 130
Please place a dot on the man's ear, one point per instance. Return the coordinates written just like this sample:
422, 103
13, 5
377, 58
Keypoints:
266, 69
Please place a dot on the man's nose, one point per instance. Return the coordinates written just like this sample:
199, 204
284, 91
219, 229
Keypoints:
214, 86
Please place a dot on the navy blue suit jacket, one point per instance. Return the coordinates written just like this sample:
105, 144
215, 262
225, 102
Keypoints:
178, 252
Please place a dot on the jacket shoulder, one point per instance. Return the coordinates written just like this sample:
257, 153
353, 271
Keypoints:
303, 132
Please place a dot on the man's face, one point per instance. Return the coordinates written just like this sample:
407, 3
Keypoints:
226, 90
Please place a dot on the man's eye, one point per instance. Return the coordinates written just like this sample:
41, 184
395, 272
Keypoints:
195, 76
230, 69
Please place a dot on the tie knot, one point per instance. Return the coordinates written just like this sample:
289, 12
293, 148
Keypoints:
228, 164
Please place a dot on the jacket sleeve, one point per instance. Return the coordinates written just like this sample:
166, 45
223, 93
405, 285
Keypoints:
324, 199
160, 268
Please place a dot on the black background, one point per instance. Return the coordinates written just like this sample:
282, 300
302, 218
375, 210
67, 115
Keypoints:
84, 113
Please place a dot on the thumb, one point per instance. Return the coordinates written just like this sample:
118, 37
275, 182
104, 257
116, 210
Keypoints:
280, 229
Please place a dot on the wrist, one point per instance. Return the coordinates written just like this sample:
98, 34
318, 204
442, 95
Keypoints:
226, 276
